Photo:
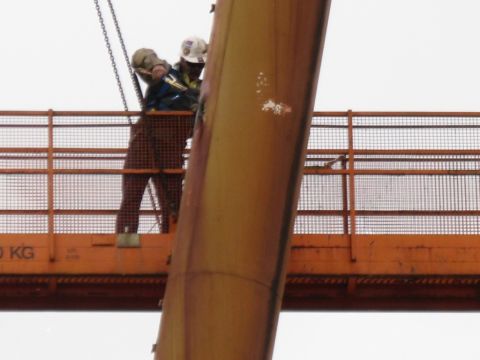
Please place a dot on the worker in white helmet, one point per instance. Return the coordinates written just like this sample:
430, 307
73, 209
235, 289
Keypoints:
171, 87
159, 142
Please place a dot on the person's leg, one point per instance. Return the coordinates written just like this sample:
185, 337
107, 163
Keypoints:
160, 189
174, 182
183, 130
128, 214
133, 185
170, 136
170, 144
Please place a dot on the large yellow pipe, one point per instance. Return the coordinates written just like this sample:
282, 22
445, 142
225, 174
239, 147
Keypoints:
226, 280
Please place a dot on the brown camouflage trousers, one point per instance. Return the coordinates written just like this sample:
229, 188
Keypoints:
155, 143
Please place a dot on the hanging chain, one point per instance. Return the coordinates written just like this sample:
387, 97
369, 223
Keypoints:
112, 58
119, 83
136, 85
138, 92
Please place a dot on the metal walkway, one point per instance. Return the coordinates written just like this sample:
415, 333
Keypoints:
388, 216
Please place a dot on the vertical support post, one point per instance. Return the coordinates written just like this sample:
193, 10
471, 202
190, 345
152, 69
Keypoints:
345, 196
351, 175
50, 190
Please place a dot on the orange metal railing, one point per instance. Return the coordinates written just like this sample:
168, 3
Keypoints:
412, 173
365, 173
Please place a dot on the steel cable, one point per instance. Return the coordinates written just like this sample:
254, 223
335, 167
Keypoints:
119, 82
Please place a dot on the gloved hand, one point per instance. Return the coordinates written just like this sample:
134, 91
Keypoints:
158, 72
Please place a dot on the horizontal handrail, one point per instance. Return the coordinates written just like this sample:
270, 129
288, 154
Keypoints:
412, 114
326, 213
74, 113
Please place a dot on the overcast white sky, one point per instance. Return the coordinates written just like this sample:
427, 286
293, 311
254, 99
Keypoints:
379, 55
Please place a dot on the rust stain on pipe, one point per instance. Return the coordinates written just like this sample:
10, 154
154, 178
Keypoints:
228, 268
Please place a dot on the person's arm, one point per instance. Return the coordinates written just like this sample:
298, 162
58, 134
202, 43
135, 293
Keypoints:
149, 66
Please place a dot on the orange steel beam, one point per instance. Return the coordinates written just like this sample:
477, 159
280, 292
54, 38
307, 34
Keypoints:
409, 272
313, 255
141, 293
242, 183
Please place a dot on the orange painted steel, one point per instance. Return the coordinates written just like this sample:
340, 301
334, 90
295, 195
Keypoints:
312, 255
391, 272
83, 254
179, 171
50, 190
351, 178
417, 252
382, 114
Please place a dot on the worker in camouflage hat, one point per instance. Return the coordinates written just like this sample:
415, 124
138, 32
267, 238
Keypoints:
172, 87
158, 142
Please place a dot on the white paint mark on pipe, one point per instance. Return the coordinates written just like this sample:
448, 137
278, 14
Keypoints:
276, 108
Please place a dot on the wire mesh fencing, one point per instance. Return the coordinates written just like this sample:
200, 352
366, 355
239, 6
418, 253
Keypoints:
367, 173
409, 173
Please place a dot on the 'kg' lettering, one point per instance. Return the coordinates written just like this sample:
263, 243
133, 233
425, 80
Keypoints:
22, 252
